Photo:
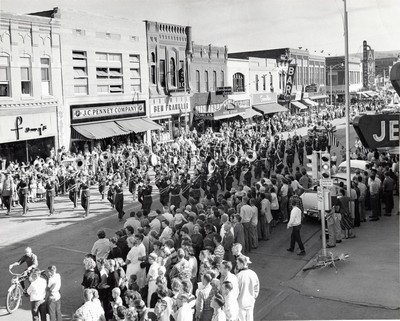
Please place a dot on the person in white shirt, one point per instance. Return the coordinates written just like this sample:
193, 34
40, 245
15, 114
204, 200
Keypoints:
295, 224
37, 295
167, 231
182, 310
101, 247
249, 288
54, 302
90, 311
217, 303
231, 307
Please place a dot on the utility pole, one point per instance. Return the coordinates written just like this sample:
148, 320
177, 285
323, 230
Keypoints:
346, 46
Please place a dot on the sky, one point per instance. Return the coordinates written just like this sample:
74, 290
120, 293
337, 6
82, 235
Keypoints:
245, 25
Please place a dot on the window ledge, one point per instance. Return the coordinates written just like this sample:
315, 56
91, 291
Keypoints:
6, 98
48, 97
27, 98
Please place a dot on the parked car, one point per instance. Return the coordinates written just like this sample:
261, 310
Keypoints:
341, 171
310, 200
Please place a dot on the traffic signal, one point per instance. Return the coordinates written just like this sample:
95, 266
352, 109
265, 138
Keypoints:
325, 166
313, 165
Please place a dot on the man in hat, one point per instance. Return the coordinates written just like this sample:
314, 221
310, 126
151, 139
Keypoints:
154, 224
175, 198
147, 199
119, 201
163, 187
249, 288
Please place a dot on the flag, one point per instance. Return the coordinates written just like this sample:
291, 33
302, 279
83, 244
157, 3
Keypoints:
332, 141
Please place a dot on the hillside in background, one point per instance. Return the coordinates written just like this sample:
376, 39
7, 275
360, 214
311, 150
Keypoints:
380, 54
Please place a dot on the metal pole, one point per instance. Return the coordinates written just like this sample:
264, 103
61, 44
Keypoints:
346, 46
330, 80
323, 236
184, 86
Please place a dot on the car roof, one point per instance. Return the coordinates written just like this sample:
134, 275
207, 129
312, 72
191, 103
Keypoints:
355, 163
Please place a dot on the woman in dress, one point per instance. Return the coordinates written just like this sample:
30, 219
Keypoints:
134, 258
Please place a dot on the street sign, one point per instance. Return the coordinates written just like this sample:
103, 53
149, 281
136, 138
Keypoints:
326, 182
379, 130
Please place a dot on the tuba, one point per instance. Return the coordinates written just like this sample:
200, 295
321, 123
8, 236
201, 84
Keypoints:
232, 160
79, 161
251, 156
125, 155
211, 166
146, 150
105, 157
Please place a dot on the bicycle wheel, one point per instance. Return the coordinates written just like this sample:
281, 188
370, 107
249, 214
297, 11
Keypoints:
313, 267
13, 299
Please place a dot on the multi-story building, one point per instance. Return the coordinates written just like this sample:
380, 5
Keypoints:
169, 102
30, 87
335, 77
309, 80
208, 66
104, 79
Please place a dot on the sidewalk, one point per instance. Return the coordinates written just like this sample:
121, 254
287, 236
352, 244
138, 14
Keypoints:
371, 274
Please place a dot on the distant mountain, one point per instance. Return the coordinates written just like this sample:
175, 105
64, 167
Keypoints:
380, 54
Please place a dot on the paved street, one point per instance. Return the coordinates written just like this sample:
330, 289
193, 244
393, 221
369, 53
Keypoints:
365, 287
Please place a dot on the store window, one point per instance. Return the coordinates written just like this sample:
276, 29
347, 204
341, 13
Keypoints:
45, 71
153, 68
162, 72
79, 62
222, 78
26, 83
4, 77
206, 81
197, 81
214, 80
172, 72
256, 80
134, 69
109, 73
238, 82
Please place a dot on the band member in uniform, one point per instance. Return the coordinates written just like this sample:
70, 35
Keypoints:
213, 183
50, 194
221, 173
102, 183
238, 171
229, 179
133, 180
248, 175
164, 188
111, 194
147, 199
72, 188
195, 185
185, 178
300, 150
85, 196
257, 168
119, 200
22, 190
175, 198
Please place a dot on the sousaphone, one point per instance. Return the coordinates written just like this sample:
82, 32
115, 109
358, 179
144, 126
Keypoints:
251, 156
232, 160
211, 166
153, 160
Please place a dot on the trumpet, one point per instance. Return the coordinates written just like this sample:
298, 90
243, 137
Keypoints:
105, 157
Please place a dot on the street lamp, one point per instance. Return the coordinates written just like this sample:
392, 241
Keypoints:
330, 76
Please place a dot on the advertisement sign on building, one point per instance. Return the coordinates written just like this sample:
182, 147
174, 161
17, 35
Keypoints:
290, 79
371, 67
264, 98
380, 130
26, 127
368, 65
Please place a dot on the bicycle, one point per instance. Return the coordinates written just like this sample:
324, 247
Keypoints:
328, 262
15, 291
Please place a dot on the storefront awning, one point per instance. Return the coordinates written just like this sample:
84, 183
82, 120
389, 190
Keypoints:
299, 105
269, 108
318, 97
138, 125
310, 102
250, 112
100, 130
218, 117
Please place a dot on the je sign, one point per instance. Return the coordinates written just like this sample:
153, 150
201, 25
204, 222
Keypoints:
378, 130
290, 79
